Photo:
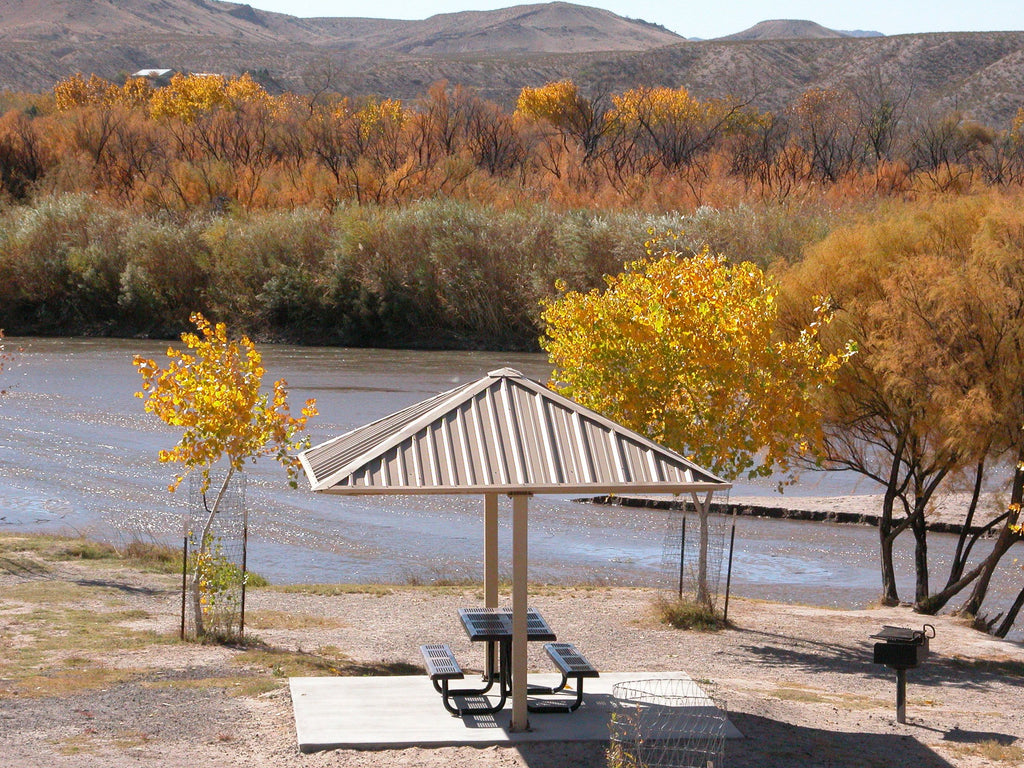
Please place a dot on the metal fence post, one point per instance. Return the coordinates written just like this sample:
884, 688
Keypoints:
728, 573
682, 557
184, 586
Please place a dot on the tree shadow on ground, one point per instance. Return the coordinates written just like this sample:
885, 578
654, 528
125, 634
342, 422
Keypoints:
778, 744
287, 662
785, 745
120, 586
23, 567
977, 737
818, 657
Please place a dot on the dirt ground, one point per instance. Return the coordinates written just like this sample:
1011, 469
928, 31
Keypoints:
91, 674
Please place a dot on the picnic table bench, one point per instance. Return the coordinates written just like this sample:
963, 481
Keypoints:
442, 666
571, 663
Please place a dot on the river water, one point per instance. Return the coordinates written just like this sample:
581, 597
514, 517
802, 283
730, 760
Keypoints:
78, 455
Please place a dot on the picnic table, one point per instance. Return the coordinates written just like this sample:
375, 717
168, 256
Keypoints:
493, 626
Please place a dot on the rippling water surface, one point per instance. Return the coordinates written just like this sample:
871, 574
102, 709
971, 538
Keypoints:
78, 454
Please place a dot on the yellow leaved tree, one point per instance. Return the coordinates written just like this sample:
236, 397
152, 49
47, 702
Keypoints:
187, 97
562, 105
78, 91
686, 349
214, 393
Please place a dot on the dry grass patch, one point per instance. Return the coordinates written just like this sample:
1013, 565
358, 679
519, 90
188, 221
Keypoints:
64, 681
149, 556
685, 614
240, 686
51, 547
131, 739
49, 647
326, 660
82, 744
91, 743
16, 553
18, 564
805, 694
992, 751
46, 592
268, 619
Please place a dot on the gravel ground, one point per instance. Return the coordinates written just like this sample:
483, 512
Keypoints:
798, 681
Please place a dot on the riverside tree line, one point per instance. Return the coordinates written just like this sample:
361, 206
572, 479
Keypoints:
208, 142
451, 223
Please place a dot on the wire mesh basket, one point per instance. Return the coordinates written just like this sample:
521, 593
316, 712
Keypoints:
213, 599
665, 723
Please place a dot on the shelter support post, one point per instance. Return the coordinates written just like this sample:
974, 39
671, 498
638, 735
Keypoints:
491, 569
520, 516
491, 550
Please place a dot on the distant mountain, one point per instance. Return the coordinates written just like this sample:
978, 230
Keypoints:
860, 33
545, 28
792, 29
497, 53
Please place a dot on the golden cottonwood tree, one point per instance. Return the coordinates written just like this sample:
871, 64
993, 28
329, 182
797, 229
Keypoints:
672, 125
214, 393
188, 96
564, 107
686, 349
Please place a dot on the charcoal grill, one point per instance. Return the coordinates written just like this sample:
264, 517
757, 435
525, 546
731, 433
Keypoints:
902, 648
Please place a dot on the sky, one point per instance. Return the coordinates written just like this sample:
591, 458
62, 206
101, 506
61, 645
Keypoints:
717, 18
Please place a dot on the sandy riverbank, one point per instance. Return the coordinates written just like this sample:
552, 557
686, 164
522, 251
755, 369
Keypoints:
91, 675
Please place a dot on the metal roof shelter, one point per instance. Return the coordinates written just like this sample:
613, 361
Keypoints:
502, 434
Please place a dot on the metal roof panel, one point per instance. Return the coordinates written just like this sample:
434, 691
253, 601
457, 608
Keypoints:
504, 432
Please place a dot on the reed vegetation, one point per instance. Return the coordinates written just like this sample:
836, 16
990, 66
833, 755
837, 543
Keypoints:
435, 273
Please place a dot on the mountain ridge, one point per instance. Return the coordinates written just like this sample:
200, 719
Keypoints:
499, 52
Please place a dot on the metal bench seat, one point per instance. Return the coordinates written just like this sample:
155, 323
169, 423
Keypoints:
441, 663
442, 666
572, 664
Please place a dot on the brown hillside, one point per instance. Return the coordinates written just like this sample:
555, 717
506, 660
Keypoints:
78, 21
545, 28
497, 53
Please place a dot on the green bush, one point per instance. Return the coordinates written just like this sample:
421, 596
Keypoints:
165, 277
60, 263
435, 273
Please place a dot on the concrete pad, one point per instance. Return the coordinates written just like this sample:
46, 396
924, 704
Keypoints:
406, 711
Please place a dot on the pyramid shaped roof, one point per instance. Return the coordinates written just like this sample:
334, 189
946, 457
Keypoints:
503, 433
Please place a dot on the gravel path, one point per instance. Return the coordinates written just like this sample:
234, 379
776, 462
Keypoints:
797, 681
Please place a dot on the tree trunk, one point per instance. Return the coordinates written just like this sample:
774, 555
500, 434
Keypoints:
204, 547
1011, 616
890, 595
935, 603
1007, 538
963, 549
920, 527
703, 593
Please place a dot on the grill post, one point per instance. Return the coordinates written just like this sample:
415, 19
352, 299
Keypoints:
901, 695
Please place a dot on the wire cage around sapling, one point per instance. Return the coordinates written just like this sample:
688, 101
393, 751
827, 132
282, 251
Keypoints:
696, 558
214, 572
